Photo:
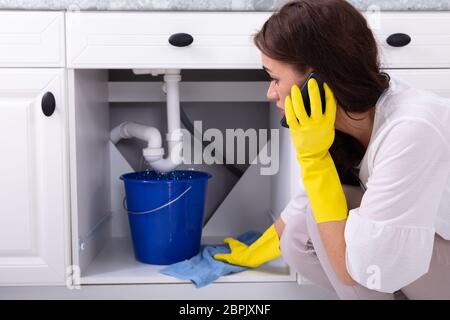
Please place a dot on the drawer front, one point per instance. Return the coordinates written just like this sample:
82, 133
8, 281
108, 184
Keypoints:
140, 39
32, 39
430, 39
224, 39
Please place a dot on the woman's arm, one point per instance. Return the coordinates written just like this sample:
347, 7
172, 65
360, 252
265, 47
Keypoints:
312, 136
332, 235
279, 226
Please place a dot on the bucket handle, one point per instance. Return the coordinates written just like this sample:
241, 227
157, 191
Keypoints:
156, 209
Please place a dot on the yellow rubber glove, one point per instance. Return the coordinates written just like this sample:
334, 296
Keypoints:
266, 248
312, 137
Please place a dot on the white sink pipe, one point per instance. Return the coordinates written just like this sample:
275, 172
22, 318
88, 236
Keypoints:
154, 152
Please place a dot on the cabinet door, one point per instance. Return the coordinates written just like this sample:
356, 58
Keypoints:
33, 192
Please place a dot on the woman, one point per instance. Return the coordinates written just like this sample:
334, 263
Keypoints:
396, 136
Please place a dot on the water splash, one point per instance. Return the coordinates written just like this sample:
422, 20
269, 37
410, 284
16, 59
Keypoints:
175, 175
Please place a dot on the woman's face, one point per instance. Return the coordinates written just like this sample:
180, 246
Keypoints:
284, 76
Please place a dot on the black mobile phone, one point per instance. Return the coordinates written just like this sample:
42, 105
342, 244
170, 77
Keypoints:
305, 96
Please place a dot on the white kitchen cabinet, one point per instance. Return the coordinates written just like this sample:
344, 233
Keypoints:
101, 244
33, 177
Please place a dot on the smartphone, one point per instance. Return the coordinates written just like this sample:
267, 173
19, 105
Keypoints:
305, 96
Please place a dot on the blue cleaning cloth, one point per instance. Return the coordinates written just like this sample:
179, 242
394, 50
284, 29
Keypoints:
203, 269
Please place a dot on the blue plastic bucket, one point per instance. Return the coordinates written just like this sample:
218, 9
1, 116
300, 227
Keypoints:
165, 212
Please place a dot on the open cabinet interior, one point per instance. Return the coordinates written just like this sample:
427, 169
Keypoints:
239, 197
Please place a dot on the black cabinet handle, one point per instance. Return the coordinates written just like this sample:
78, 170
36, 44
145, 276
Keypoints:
398, 40
48, 104
181, 39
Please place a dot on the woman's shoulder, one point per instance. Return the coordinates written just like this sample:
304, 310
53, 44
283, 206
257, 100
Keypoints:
404, 103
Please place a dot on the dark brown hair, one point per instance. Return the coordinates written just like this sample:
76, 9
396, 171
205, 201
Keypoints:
333, 38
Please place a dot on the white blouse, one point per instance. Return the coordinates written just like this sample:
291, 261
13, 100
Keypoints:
406, 174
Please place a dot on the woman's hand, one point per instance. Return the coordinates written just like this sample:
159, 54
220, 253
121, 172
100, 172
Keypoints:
312, 136
264, 249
